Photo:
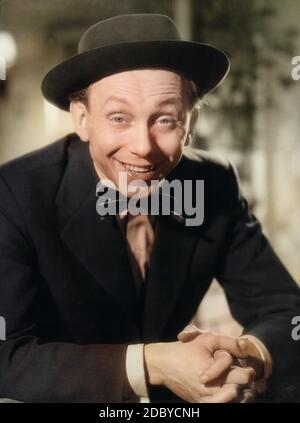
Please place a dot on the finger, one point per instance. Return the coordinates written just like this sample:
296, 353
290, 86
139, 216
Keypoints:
240, 376
222, 362
221, 342
187, 336
189, 333
208, 390
228, 393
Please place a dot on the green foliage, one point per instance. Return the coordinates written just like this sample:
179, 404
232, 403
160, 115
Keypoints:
258, 42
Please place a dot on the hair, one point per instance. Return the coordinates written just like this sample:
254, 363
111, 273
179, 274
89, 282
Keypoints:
194, 98
80, 96
193, 95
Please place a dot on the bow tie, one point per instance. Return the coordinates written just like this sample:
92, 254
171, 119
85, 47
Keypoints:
112, 202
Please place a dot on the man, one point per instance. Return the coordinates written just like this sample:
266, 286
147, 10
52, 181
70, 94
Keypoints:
94, 306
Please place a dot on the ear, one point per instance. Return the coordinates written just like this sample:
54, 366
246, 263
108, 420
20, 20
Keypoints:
193, 120
79, 116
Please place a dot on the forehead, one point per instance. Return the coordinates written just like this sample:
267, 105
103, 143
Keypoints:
142, 83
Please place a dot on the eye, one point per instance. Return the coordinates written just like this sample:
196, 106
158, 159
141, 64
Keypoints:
166, 122
118, 119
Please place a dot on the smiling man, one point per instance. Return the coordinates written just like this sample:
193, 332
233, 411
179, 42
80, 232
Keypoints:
96, 309
135, 122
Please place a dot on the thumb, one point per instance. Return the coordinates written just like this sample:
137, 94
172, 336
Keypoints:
189, 333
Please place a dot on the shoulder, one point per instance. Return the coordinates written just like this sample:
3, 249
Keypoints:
34, 178
200, 159
210, 166
221, 181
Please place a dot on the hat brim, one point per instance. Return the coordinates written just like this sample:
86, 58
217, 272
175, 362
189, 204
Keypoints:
202, 63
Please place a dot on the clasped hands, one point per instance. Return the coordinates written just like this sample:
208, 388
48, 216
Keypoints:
205, 367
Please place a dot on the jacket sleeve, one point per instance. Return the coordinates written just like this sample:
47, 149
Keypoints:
262, 295
30, 369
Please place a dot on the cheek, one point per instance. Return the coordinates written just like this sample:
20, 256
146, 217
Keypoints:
171, 145
103, 140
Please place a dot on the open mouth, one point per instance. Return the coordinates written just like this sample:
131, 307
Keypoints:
137, 169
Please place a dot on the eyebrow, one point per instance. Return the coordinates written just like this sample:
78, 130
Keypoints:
173, 101
116, 98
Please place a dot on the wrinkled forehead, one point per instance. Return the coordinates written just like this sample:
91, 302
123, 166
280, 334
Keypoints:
140, 84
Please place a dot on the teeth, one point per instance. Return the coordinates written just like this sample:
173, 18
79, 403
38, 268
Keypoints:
137, 169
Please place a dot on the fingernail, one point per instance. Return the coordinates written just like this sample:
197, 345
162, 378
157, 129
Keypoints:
243, 346
191, 328
188, 330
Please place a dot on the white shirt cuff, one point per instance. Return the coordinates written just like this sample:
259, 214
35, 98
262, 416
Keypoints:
260, 385
264, 354
136, 372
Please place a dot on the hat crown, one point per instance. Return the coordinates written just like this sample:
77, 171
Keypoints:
126, 28
129, 42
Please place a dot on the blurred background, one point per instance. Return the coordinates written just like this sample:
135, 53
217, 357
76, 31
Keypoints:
252, 119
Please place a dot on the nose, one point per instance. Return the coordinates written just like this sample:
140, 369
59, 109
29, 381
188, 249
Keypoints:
143, 142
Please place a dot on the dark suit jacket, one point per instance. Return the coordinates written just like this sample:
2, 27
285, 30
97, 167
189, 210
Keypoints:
67, 292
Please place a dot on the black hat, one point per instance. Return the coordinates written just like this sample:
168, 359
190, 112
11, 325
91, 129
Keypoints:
129, 42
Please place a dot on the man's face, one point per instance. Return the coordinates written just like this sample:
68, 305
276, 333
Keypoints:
136, 122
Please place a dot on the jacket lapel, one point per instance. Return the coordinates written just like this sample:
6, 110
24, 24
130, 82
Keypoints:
97, 244
171, 259
169, 266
